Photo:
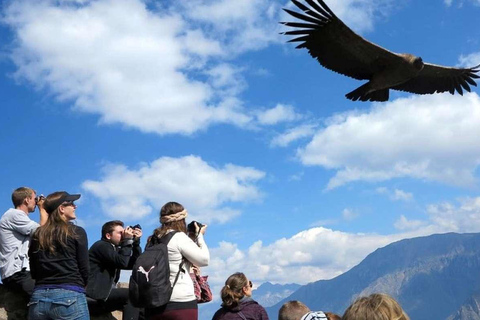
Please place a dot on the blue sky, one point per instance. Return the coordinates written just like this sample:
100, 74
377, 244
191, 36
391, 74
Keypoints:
135, 103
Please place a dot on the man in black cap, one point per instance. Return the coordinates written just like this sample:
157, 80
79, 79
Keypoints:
15, 231
118, 249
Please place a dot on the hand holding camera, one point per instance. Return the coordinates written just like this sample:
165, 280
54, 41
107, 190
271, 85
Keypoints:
194, 228
39, 200
137, 230
128, 233
201, 228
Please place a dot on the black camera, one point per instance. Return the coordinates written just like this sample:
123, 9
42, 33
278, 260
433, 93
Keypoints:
191, 226
137, 226
40, 197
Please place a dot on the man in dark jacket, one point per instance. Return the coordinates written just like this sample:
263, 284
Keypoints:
118, 249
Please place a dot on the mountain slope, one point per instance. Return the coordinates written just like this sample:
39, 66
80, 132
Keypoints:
430, 276
269, 294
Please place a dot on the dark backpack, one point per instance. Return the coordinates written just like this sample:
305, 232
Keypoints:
150, 285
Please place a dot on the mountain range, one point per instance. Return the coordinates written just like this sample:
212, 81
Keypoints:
434, 277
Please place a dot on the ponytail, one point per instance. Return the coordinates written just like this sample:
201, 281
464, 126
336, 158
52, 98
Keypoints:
232, 292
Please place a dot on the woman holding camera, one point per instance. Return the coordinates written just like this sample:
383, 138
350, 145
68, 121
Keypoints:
183, 304
237, 301
59, 263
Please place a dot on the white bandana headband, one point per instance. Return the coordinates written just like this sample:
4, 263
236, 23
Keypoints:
314, 315
174, 217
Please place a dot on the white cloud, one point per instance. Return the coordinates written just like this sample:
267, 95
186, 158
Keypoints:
349, 214
402, 195
404, 224
460, 3
433, 137
359, 15
296, 177
464, 218
240, 25
291, 135
396, 194
280, 113
314, 254
166, 70
323, 223
321, 253
470, 60
203, 189
149, 70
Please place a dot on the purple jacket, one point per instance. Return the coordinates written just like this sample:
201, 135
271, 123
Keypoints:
248, 307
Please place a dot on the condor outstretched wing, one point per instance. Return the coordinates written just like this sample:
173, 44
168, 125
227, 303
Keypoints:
434, 78
334, 44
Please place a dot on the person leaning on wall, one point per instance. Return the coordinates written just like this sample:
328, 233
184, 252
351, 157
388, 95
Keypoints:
59, 263
15, 230
117, 249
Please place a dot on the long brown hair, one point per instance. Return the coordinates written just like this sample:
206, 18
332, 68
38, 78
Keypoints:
167, 209
232, 292
56, 230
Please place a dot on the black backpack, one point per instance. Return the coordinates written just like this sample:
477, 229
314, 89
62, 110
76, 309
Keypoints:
150, 285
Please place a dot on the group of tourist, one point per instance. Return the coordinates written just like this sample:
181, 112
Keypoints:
51, 265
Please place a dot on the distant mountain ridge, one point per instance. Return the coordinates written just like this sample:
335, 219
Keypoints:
432, 277
470, 310
269, 294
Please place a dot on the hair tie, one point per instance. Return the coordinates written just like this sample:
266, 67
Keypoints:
174, 217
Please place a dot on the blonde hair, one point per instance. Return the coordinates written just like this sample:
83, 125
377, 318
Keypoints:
292, 310
377, 306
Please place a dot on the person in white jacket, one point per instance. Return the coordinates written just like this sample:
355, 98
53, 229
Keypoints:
183, 304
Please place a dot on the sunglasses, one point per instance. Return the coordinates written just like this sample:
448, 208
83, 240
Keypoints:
69, 203
250, 284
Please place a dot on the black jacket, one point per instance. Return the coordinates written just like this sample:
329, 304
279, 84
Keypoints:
67, 266
106, 261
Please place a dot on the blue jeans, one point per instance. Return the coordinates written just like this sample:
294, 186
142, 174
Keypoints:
49, 304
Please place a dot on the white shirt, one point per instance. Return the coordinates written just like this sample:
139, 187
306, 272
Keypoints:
15, 230
181, 246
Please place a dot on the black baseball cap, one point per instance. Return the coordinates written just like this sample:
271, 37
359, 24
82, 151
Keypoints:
51, 206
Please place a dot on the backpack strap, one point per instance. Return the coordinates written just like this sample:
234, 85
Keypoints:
240, 313
166, 239
178, 273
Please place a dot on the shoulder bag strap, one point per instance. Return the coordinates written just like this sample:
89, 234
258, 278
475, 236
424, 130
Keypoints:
242, 315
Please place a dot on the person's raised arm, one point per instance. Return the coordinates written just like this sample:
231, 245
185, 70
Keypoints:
197, 253
41, 209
